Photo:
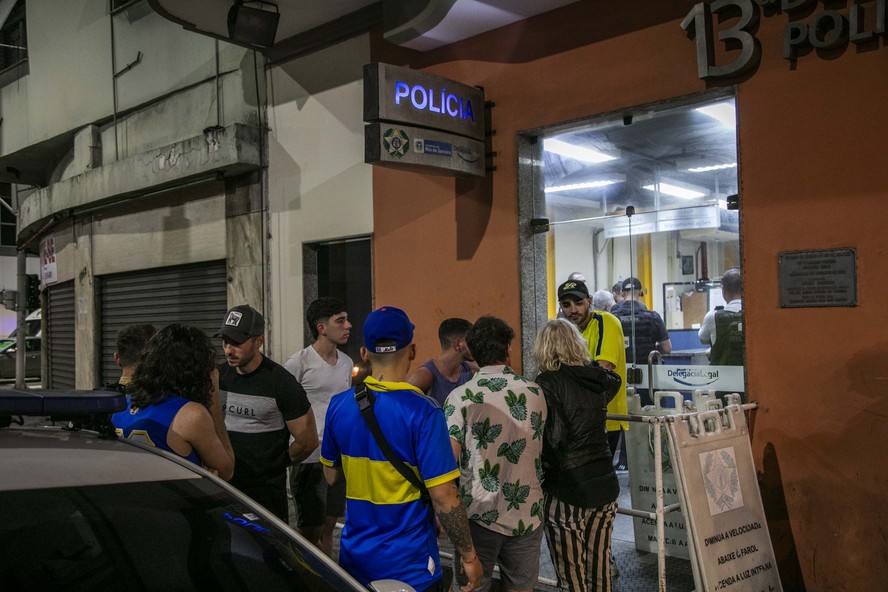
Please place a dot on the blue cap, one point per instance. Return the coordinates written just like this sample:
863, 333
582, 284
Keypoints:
387, 324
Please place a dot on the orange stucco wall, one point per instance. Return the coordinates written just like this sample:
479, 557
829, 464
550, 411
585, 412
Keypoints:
812, 160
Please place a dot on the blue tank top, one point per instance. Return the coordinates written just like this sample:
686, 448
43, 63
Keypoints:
441, 386
150, 425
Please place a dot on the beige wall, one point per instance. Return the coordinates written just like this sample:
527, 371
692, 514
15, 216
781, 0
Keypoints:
70, 80
319, 187
811, 155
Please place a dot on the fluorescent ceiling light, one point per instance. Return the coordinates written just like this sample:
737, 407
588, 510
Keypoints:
589, 185
575, 152
674, 190
724, 113
713, 167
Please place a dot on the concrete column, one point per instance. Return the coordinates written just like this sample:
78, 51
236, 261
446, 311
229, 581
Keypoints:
245, 242
87, 149
85, 308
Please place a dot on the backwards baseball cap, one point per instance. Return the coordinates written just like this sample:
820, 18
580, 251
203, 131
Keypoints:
631, 283
241, 323
574, 288
387, 324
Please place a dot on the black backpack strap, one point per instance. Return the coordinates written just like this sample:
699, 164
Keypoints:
365, 400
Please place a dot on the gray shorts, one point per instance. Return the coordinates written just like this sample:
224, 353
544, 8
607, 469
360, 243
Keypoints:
518, 558
313, 498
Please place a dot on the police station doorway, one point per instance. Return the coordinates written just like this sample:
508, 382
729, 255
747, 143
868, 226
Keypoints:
341, 269
648, 192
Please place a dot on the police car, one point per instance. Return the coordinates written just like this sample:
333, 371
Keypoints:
81, 509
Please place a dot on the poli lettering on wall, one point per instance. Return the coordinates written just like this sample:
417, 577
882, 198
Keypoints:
394, 94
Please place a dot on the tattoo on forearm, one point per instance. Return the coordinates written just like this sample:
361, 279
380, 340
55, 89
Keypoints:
456, 524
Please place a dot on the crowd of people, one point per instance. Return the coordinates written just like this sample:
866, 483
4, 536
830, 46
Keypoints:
461, 444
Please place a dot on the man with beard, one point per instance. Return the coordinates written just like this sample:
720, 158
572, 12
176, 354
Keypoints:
603, 333
264, 405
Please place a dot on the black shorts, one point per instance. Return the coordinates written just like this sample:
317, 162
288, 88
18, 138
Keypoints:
313, 498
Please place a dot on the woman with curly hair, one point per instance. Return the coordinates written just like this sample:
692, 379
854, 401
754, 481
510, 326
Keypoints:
580, 486
174, 400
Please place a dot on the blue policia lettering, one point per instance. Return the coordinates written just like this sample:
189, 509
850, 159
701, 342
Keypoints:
433, 101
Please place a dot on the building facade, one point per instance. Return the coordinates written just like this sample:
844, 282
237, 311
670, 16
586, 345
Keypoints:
178, 174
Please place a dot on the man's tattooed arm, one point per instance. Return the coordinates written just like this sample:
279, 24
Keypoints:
455, 522
452, 515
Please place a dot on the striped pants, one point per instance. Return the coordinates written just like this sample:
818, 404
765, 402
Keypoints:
579, 542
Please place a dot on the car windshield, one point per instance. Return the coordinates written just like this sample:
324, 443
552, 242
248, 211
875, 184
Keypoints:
160, 535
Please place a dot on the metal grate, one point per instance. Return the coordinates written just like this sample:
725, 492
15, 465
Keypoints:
60, 364
194, 295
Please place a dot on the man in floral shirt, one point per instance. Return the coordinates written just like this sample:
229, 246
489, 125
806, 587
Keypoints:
496, 423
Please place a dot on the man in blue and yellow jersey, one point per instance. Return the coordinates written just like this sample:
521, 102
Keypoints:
603, 333
389, 530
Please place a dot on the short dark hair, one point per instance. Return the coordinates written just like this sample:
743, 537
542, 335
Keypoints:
489, 340
131, 341
178, 359
320, 310
451, 329
732, 281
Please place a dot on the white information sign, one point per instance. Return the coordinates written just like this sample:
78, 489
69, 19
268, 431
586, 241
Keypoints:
730, 544
663, 221
49, 273
643, 480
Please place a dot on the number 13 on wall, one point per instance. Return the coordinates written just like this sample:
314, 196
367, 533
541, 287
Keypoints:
698, 24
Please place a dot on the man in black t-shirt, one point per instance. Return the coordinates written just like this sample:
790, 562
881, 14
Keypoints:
264, 405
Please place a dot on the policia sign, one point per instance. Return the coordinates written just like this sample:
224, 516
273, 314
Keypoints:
423, 122
730, 545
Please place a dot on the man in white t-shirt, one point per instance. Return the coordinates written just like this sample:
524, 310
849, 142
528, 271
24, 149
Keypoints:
323, 371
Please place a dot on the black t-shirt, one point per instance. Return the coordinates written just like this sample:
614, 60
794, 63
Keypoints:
257, 407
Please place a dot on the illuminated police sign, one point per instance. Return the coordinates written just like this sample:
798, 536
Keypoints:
423, 98
400, 95
824, 30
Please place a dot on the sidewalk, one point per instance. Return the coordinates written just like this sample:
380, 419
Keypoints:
637, 570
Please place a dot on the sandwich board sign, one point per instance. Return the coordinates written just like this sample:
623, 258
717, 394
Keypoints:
643, 481
729, 541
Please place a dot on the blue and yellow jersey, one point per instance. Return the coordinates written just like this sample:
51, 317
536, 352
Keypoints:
389, 531
150, 425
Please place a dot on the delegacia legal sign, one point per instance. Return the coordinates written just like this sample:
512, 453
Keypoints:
828, 29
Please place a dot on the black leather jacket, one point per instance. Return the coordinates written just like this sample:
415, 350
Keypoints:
575, 433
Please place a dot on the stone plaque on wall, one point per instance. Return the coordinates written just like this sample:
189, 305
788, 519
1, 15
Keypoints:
818, 278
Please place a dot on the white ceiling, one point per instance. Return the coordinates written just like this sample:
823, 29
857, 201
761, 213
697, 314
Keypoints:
435, 26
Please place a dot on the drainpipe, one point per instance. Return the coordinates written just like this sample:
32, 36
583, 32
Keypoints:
21, 298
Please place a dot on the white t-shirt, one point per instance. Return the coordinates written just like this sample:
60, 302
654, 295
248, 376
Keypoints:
321, 381
707, 330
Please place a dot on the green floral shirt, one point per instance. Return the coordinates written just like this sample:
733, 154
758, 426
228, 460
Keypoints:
498, 419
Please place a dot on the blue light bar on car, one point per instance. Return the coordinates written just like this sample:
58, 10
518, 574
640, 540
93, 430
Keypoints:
60, 402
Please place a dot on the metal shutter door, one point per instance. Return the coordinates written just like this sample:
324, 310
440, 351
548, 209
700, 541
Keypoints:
60, 363
193, 295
